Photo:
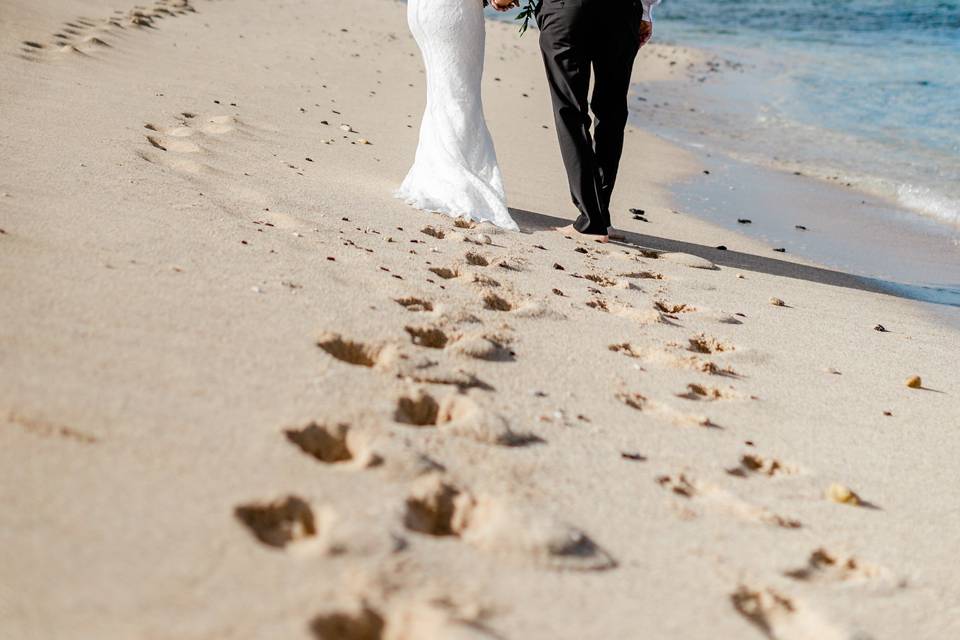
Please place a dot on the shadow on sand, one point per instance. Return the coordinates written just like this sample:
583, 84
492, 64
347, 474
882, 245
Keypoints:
530, 221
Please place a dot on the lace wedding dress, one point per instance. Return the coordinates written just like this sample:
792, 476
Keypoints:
455, 171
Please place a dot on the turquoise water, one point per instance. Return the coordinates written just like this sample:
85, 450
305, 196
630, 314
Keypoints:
859, 91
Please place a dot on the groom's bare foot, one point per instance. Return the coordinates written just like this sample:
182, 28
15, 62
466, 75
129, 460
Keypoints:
570, 232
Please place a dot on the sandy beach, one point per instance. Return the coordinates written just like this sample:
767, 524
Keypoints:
246, 393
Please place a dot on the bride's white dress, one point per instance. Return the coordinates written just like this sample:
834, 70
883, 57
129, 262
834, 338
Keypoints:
455, 171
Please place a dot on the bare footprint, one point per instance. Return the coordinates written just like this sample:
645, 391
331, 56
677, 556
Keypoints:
824, 566
753, 464
279, 523
707, 345
500, 527
458, 415
482, 346
780, 617
723, 500
357, 353
447, 273
429, 620
640, 402
414, 304
703, 393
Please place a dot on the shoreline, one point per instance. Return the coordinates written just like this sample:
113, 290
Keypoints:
915, 250
248, 394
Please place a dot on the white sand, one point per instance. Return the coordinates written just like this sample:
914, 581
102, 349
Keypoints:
160, 317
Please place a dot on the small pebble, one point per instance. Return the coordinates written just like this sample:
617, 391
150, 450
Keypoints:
880, 328
914, 382
799, 227
777, 302
780, 250
256, 289
888, 413
721, 247
842, 495
558, 266
362, 141
346, 127
744, 221
740, 276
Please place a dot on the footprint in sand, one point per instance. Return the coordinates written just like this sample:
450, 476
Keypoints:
752, 464
342, 446
437, 508
414, 304
641, 275
386, 357
459, 415
447, 273
279, 523
524, 308
433, 620
720, 499
669, 357
375, 355
478, 345
673, 309
703, 393
83, 35
824, 566
640, 402
780, 617
701, 343
476, 259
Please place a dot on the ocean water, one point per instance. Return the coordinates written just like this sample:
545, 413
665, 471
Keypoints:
862, 92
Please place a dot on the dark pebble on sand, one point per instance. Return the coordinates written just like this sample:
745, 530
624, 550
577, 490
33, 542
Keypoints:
721, 247
744, 221
633, 456
581, 250
799, 227
558, 266
880, 328
331, 259
706, 172
558, 292
780, 250
309, 159
638, 212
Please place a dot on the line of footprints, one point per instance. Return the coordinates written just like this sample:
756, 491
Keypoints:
83, 35
438, 505
435, 505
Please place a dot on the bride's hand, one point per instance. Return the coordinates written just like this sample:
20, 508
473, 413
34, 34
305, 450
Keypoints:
504, 6
646, 31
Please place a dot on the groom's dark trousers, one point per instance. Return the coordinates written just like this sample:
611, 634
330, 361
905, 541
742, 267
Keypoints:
575, 36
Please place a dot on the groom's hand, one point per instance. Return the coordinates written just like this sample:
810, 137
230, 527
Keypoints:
504, 5
646, 31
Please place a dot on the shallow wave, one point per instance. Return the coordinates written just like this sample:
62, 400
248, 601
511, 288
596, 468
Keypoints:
928, 202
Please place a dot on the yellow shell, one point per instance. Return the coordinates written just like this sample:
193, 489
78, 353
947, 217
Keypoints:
914, 382
842, 494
